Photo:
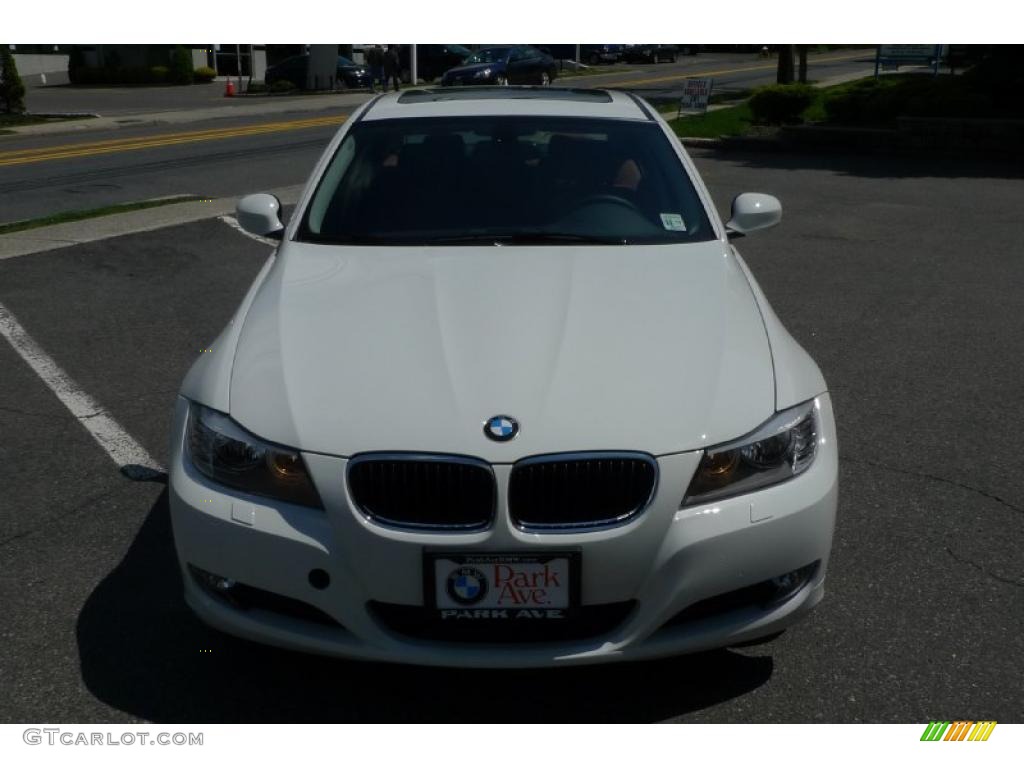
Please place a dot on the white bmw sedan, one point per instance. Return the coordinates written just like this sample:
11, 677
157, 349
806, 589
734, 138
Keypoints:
505, 395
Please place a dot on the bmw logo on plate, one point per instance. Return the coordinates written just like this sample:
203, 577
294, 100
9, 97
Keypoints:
466, 585
501, 428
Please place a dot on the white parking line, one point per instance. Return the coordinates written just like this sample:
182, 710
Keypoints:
232, 222
130, 457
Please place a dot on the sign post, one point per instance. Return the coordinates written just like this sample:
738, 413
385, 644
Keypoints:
696, 93
889, 57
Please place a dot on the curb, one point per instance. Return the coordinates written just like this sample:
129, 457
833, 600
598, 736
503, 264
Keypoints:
70, 233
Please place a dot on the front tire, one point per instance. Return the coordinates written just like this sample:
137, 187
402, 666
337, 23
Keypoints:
545, 78
501, 80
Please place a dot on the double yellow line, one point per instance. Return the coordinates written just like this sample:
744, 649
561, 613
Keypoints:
715, 73
87, 149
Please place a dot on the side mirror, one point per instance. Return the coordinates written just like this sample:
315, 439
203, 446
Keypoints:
260, 215
752, 211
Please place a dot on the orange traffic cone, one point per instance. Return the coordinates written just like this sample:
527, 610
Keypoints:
229, 88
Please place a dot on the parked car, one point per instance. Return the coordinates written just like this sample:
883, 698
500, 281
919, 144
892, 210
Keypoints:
504, 395
294, 70
432, 61
504, 65
601, 54
650, 54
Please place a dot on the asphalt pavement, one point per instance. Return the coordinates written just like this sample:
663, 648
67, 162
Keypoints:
898, 276
165, 141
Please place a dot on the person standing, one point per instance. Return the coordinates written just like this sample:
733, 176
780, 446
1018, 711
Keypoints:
375, 60
392, 68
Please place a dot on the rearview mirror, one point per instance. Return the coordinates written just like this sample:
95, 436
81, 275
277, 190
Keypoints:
752, 211
260, 215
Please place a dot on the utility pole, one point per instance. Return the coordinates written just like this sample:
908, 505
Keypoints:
413, 69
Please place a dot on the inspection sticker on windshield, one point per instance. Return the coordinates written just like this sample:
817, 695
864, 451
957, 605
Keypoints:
673, 222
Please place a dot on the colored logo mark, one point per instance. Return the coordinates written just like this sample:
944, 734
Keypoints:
958, 730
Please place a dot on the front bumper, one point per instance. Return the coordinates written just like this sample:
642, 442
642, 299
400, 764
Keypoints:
662, 562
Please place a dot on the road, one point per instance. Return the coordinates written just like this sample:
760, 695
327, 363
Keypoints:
245, 154
894, 274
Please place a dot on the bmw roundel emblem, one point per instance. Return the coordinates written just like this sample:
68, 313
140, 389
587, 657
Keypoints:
501, 428
466, 585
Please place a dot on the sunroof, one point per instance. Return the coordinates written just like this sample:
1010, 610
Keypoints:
474, 93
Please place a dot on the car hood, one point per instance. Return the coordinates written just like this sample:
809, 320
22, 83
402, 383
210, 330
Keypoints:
469, 69
351, 349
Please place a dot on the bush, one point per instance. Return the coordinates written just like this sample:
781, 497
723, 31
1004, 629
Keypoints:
280, 86
181, 66
12, 90
256, 87
881, 101
158, 74
776, 104
204, 74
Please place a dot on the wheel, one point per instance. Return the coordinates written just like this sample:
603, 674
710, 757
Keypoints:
501, 80
606, 197
545, 78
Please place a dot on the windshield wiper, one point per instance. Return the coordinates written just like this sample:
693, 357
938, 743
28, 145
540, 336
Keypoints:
539, 237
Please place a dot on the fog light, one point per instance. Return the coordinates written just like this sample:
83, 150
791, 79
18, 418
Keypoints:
788, 584
219, 585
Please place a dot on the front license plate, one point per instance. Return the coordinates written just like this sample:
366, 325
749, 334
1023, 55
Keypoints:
502, 585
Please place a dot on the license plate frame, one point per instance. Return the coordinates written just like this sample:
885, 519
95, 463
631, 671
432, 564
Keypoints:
475, 559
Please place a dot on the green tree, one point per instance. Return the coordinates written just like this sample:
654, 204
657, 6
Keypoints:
12, 90
181, 66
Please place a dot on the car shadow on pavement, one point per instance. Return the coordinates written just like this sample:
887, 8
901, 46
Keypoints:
144, 653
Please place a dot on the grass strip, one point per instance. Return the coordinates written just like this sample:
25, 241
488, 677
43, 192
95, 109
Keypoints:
8, 120
729, 121
92, 213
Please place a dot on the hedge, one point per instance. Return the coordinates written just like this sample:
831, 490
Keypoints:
776, 104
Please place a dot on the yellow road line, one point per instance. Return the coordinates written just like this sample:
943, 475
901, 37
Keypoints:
110, 142
715, 73
86, 149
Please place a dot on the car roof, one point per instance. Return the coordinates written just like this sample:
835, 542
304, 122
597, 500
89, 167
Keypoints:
513, 100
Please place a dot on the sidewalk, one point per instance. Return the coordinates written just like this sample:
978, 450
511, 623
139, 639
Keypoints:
102, 227
246, 106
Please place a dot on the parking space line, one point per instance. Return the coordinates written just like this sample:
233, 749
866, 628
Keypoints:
131, 458
232, 222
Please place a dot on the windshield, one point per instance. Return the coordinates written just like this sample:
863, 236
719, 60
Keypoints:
488, 56
459, 50
433, 181
343, 62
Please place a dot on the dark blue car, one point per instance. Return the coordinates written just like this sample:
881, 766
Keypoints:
294, 70
504, 65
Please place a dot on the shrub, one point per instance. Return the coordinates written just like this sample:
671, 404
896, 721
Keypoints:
775, 104
256, 87
158, 74
280, 86
204, 74
181, 66
881, 101
12, 90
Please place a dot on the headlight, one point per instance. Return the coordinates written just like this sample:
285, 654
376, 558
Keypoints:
482, 73
783, 447
229, 455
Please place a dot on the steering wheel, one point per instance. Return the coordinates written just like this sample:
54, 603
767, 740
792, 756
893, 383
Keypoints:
608, 198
